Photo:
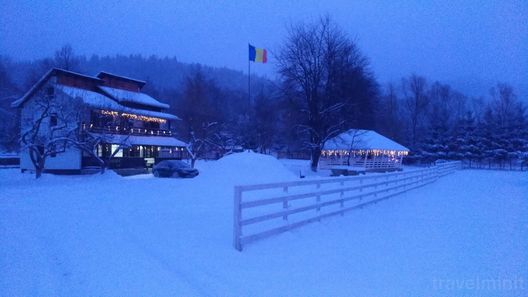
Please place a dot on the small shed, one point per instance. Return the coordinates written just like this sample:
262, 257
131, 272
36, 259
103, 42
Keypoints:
363, 150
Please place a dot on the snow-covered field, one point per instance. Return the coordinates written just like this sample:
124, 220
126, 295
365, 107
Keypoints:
464, 235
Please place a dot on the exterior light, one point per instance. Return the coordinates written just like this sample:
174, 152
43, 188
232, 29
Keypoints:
134, 116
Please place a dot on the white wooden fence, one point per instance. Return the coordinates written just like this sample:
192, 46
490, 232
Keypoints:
264, 210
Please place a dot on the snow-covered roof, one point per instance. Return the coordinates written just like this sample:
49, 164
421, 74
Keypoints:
132, 97
101, 101
362, 140
141, 140
119, 95
44, 78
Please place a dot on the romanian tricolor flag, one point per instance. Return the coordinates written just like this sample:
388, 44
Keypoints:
259, 55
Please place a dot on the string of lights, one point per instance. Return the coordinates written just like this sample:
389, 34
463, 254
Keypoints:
373, 152
133, 116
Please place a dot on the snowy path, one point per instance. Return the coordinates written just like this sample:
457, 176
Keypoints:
109, 236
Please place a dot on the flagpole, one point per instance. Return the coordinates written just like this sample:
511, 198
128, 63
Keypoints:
249, 83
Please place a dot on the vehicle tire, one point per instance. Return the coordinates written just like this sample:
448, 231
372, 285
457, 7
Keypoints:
156, 173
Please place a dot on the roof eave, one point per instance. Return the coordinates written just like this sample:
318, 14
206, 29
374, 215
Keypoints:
161, 105
139, 82
19, 102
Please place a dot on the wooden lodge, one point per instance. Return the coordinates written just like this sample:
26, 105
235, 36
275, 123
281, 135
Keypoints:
135, 129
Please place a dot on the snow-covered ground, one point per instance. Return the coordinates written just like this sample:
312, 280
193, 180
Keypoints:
464, 235
302, 168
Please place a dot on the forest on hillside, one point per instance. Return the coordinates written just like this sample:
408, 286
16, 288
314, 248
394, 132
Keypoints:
330, 90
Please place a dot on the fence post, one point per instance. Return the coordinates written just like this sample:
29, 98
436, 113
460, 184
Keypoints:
318, 200
285, 204
237, 214
361, 184
342, 195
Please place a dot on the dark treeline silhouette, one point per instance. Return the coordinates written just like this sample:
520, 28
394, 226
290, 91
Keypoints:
325, 87
439, 122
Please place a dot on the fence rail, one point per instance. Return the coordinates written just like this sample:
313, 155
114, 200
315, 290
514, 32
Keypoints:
272, 208
366, 164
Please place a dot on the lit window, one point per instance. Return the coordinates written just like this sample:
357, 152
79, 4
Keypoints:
119, 154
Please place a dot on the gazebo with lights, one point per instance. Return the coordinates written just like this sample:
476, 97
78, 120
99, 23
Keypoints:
363, 150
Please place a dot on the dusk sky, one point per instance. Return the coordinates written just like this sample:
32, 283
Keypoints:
470, 45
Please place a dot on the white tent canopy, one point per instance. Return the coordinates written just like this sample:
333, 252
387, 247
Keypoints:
357, 139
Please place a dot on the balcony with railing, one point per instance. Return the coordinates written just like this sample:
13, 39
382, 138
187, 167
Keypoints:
126, 130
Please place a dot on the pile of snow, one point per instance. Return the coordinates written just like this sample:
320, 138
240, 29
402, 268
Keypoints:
13, 178
302, 168
246, 168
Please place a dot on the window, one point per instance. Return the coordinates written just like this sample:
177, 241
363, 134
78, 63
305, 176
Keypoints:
99, 151
53, 120
117, 151
50, 91
53, 153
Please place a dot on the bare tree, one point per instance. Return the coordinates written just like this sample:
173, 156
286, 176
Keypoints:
201, 140
263, 122
201, 120
10, 124
323, 69
389, 118
440, 97
50, 126
37, 70
91, 142
356, 142
504, 103
9, 130
416, 102
65, 58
